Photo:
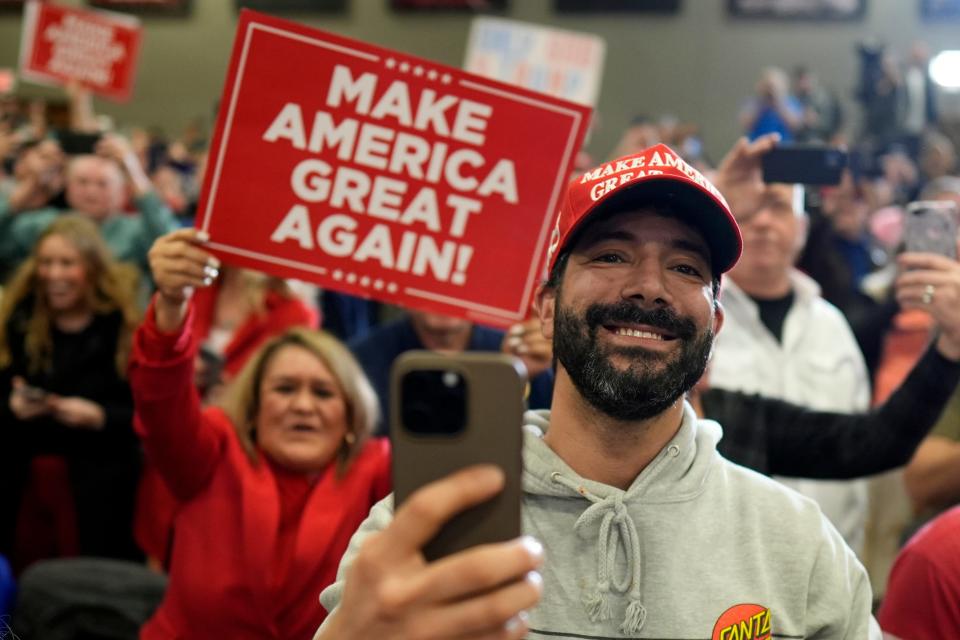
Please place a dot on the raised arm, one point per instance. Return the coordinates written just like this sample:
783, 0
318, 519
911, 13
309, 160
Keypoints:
83, 118
179, 439
786, 439
932, 283
823, 445
157, 218
740, 174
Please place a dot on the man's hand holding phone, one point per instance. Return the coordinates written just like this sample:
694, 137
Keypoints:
740, 174
391, 591
450, 564
525, 340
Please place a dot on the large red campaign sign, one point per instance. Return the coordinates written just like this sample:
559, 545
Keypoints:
98, 49
384, 175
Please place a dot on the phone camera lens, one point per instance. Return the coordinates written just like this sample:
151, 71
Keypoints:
450, 379
433, 402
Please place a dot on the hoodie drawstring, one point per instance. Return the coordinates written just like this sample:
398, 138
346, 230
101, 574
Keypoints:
616, 528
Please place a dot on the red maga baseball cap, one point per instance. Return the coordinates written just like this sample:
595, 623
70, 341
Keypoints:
656, 175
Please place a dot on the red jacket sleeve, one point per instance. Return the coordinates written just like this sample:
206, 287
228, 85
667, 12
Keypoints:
178, 437
383, 480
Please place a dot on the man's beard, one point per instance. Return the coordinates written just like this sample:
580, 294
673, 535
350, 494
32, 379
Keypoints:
652, 382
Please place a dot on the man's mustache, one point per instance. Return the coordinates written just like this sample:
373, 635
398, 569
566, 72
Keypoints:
625, 312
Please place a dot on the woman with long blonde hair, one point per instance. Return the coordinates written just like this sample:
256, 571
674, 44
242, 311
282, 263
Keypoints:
66, 321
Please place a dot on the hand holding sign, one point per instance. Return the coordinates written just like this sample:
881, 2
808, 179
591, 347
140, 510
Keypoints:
526, 341
179, 264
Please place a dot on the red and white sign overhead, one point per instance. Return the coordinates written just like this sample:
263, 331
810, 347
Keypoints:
384, 175
98, 49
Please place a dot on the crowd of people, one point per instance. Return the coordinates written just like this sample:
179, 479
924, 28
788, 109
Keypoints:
228, 430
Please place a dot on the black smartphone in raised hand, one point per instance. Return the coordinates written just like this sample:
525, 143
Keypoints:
76, 143
812, 164
453, 411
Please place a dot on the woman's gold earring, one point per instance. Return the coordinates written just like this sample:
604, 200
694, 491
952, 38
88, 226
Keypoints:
349, 438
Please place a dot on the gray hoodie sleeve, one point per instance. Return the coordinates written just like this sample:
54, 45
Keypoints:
840, 597
379, 518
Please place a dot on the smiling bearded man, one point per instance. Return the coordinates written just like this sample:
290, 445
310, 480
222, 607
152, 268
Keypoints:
647, 531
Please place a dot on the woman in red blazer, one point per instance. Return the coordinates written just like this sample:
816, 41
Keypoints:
272, 484
231, 320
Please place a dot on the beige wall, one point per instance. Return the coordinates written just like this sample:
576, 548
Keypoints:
698, 64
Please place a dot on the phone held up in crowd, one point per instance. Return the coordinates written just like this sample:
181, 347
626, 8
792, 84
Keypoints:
806, 164
931, 227
453, 411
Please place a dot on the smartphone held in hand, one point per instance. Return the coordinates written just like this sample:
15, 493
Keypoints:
931, 227
76, 143
808, 164
32, 394
453, 411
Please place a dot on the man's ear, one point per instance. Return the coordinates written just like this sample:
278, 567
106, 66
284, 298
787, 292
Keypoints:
718, 316
545, 307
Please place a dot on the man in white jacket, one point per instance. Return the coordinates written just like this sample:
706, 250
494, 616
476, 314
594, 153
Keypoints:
647, 531
782, 340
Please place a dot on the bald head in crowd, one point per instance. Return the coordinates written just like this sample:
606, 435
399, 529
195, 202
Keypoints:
95, 186
774, 226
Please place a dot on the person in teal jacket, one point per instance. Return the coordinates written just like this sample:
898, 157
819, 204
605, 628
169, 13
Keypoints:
96, 187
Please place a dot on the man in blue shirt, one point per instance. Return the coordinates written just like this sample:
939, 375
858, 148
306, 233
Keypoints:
377, 350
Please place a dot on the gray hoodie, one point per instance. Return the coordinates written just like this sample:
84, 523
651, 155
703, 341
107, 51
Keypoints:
697, 547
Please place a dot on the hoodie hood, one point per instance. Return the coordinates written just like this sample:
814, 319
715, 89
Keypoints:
678, 473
